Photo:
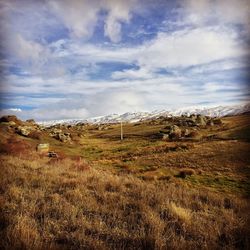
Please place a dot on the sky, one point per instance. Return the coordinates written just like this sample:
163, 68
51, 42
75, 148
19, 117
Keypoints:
67, 59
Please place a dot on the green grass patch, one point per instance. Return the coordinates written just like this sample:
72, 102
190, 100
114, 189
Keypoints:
221, 183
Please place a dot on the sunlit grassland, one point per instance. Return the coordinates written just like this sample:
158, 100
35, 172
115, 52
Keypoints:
138, 193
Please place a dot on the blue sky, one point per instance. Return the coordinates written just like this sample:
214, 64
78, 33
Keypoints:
80, 58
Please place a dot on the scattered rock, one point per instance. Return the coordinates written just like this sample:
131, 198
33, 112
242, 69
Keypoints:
175, 132
63, 137
54, 132
42, 148
201, 120
32, 121
196, 135
210, 122
9, 124
24, 130
193, 117
185, 132
217, 121
165, 137
10, 118
52, 154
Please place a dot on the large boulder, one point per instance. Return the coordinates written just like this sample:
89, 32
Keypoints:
185, 132
55, 132
63, 137
201, 120
210, 122
24, 130
9, 124
42, 148
193, 117
10, 118
175, 132
165, 137
31, 121
217, 121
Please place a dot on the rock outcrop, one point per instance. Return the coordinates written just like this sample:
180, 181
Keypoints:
10, 119
175, 132
42, 148
201, 120
24, 130
60, 135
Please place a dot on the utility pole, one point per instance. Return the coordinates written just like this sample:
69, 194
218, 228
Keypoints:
121, 132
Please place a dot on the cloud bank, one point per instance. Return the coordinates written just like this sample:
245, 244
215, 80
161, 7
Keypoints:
79, 58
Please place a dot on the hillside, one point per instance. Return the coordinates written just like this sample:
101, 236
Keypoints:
219, 111
173, 182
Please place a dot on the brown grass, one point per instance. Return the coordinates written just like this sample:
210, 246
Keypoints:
14, 146
56, 206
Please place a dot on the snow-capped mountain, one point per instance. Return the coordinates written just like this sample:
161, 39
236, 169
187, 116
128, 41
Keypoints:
219, 111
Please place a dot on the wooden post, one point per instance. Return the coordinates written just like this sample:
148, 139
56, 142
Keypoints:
121, 132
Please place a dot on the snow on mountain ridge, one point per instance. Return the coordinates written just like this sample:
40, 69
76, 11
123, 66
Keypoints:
218, 111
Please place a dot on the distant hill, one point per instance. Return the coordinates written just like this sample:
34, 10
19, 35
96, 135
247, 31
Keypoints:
219, 111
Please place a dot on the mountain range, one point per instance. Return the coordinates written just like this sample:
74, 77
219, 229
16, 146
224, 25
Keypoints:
219, 111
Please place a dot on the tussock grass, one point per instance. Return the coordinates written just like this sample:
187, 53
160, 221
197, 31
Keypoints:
71, 205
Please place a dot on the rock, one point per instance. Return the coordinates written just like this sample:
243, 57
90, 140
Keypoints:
190, 122
185, 132
63, 137
165, 137
52, 154
42, 148
175, 132
217, 121
193, 117
12, 123
10, 118
201, 120
9, 124
32, 121
195, 135
24, 130
210, 123
54, 132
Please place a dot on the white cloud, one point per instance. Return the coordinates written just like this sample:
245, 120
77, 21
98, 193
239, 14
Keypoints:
119, 11
215, 86
81, 16
65, 67
28, 50
190, 47
220, 11
216, 66
142, 73
54, 113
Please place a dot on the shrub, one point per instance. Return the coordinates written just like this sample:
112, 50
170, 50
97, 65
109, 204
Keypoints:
195, 135
37, 135
15, 146
185, 172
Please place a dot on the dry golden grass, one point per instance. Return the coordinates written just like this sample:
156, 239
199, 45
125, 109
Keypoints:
131, 196
67, 205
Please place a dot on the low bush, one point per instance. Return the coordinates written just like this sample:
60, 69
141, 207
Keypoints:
186, 172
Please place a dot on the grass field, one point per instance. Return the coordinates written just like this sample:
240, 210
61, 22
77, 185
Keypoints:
139, 193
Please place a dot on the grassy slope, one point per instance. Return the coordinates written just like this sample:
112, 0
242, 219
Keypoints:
129, 194
71, 206
222, 164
